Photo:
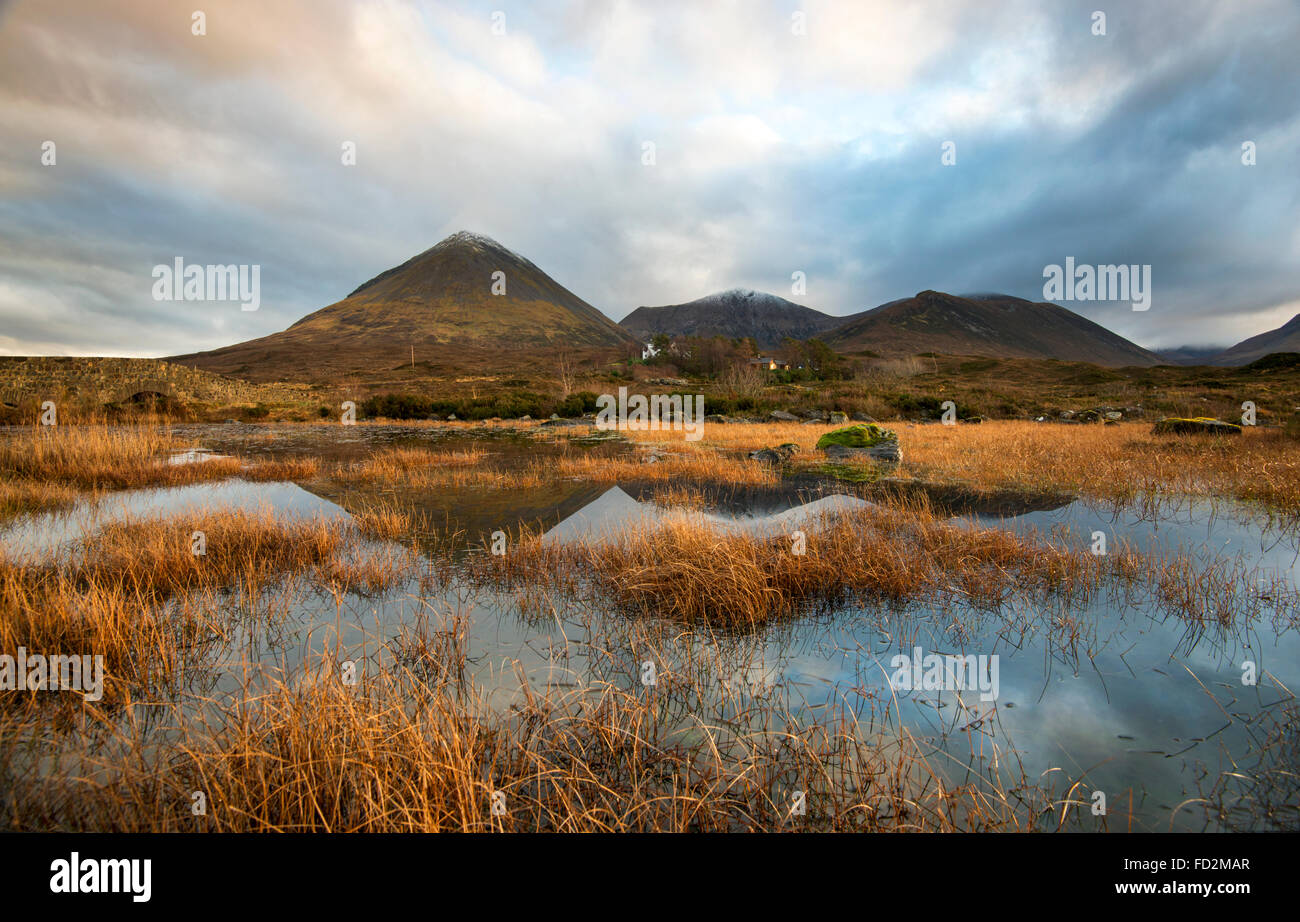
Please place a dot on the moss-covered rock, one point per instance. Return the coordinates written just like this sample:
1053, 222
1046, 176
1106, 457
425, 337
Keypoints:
1173, 425
864, 435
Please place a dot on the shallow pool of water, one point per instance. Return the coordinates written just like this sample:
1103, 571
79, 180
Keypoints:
1136, 703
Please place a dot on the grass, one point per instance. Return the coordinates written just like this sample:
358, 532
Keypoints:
394, 754
415, 746
50, 467
137, 593
1125, 463
688, 572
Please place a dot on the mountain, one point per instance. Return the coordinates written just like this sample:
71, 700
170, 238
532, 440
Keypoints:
1190, 355
736, 313
439, 302
985, 324
1285, 338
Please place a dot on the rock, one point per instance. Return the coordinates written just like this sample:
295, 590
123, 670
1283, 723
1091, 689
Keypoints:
815, 421
1087, 416
838, 418
1197, 425
716, 418
783, 416
555, 416
525, 418
232, 422
888, 452
1067, 414
868, 441
451, 417
778, 455
857, 436
975, 420
863, 418
1115, 415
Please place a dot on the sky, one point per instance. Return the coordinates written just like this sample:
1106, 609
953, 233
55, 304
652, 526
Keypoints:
789, 137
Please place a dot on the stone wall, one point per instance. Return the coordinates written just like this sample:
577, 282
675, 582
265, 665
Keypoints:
109, 380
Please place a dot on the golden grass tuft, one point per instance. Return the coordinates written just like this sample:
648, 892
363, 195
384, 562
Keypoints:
691, 572
136, 593
395, 755
45, 467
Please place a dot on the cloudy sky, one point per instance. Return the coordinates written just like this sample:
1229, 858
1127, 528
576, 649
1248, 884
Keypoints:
796, 136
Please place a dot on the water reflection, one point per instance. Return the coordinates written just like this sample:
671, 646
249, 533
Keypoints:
1148, 708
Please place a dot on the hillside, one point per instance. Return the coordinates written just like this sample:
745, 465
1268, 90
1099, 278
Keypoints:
1285, 338
440, 303
737, 313
990, 325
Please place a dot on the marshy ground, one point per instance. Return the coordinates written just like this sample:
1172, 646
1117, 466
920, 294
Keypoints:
474, 626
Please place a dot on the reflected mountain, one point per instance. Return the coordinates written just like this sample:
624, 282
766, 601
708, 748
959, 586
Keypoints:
615, 512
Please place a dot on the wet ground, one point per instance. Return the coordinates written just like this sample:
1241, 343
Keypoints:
1143, 706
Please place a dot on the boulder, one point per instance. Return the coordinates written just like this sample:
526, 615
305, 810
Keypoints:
778, 455
838, 419
861, 442
863, 418
1197, 425
888, 452
783, 416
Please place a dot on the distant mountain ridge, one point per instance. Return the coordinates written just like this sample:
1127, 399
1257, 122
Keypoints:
996, 325
735, 313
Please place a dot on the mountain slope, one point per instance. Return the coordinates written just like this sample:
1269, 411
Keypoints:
438, 302
1285, 338
736, 313
993, 325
